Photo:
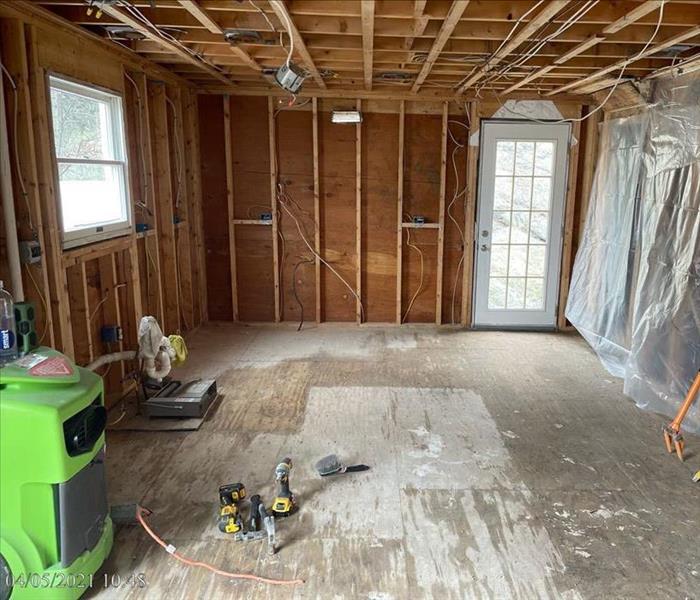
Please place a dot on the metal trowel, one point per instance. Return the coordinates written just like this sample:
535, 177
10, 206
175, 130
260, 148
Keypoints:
331, 465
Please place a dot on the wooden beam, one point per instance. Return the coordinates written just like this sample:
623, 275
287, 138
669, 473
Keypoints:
14, 55
317, 207
399, 214
453, 16
542, 17
125, 18
368, 40
575, 51
687, 65
273, 204
420, 22
441, 217
160, 139
470, 217
228, 139
205, 19
634, 15
667, 43
286, 19
570, 208
48, 178
358, 217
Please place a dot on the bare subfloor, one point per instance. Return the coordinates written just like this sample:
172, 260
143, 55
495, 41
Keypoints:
504, 465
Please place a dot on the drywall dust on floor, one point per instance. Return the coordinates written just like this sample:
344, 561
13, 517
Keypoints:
498, 470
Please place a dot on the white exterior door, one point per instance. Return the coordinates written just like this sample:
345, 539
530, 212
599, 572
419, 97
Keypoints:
522, 189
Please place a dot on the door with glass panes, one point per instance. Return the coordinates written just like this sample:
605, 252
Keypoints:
522, 187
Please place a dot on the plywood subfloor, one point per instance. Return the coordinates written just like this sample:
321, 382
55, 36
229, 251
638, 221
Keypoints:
500, 469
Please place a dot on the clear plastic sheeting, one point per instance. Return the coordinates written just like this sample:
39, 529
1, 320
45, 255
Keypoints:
635, 290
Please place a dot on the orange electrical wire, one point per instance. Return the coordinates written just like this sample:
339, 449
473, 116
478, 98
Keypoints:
193, 563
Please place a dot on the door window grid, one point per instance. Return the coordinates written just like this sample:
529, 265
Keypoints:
529, 164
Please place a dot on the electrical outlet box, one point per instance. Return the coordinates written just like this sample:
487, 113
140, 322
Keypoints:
419, 220
290, 78
266, 216
30, 252
111, 334
141, 227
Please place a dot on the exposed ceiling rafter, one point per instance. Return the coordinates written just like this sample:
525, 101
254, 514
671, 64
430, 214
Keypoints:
672, 41
283, 15
456, 10
542, 17
137, 25
368, 41
205, 19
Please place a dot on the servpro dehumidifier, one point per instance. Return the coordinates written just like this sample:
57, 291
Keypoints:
55, 529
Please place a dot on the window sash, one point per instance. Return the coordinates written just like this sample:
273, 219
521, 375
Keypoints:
115, 143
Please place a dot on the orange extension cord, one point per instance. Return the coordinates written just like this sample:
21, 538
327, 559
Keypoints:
193, 563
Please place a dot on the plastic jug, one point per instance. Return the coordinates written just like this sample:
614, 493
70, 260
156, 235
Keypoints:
8, 332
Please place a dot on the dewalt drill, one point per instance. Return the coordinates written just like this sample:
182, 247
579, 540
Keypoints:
284, 504
229, 513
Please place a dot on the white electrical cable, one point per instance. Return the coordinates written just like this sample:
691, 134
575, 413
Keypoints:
503, 43
317, 255
142, 147
538, 45
612, 90
422, 272
178, 154
15, 143
288, 26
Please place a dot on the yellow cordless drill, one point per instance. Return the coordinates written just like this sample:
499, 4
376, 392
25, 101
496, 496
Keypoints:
284, 504
229, 514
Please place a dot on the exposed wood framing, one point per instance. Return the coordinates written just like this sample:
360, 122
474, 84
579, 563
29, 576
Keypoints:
368, 41
273, 206
205, 19
448, 26
230, 204
127, 19
76, 280
48, 176
13, 47
565, 271
470, 217
667, 43
317, 209
542, 17
634, 15
420, 22
441, 216
399, 213
160, 140
358, 217
286, 19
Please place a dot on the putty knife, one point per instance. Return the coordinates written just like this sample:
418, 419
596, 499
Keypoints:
331, 465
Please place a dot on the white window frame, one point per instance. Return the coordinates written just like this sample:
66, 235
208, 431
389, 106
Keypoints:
92, 234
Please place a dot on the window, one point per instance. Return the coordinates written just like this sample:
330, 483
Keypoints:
91, 160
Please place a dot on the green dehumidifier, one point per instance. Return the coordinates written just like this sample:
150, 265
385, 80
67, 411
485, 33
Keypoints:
55, 529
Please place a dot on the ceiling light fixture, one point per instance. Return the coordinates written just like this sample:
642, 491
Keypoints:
346, 116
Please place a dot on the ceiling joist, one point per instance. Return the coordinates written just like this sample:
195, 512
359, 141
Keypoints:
368, 41
286, 19
458, 7
205, 19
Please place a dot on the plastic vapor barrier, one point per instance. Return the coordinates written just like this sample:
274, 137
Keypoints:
635, 288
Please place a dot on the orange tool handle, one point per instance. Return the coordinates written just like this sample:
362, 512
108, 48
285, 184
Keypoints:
687, 403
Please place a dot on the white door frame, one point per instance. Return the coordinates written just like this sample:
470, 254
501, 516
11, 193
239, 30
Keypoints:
491, 132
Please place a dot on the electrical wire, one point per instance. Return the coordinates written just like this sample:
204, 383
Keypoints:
262, 12
536, 46
170, 549
101, 302
503, 43
15, 143
612, 89
48, 324
320, 258
178, 153
422, 273
294, 287
288, 26
142, 147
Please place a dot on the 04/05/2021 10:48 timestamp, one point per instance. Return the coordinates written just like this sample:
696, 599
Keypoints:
75, 580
